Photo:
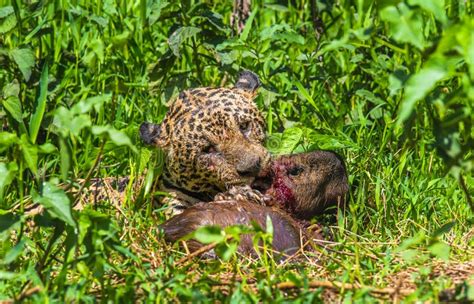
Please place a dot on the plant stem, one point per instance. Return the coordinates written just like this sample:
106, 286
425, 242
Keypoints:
466, 191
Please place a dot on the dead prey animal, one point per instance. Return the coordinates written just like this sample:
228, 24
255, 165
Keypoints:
295, 188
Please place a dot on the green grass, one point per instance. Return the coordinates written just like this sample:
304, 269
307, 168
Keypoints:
389, 86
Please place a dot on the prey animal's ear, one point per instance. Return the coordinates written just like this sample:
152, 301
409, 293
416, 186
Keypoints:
248, 82
151, 134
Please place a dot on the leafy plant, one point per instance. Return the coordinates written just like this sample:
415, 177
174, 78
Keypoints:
387, 84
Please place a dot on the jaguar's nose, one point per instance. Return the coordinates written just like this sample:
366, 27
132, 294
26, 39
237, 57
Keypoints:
250, 166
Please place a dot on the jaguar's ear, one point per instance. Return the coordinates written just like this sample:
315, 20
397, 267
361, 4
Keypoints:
248, 82
151, 134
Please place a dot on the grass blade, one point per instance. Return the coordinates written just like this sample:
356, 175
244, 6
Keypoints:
37, 117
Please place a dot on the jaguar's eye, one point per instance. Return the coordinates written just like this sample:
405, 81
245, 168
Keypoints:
295, 171
209, 149
245, 127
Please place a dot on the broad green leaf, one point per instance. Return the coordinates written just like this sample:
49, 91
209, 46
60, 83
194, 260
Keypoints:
8, 220
6, 140
236, 231
436, 7
25, 59
14, 252
268, 32
209, 234
66, 122
6, 11
281, 32
285, 143
330, 142
458, 39
154, 10
37, 116
411, 242
396, 81
102, 21
145, 156
121, 39
334, 45
98, 47
30, 153
83, 269
7, 24
117, 137
8, 172
56, 202
228, 57
179, 36
418, 87
7, 275
405, 24
370, 96
290, 37
470, 292
96, 53
78, 123
13, 106
110, 7
96, 102
465, 37
11, 89
47, 148
226, 251
441, 250
62, 119
410, 255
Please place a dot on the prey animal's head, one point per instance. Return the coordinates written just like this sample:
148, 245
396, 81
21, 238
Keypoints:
306, 184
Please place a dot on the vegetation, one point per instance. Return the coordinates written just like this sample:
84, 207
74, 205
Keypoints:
387, 84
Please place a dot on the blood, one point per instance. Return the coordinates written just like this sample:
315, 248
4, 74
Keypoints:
280, 189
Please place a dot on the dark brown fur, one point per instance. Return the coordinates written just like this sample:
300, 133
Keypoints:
317, 180
303, 185
287, 231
